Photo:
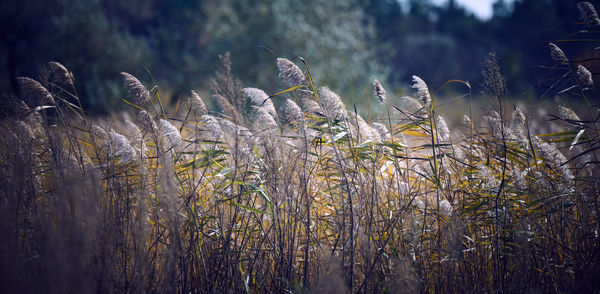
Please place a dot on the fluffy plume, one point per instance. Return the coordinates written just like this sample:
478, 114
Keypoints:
332, 105
519, 118
588, 13
33, 90
556, 53
212, 128
384, 134
135, 89
232, 130
146, 121
291, 112
263, 120
584, 76
227, 108
519, 128
171, 133
410, 104
290, 73
379, 91
494, 83
132, 131
60, 73
135, 136
422, 90
497, 126
197, 103
446, 207
24, 131
551, 153
365, 130
487, 177
122, 148
259, 98
570, 115
100, 137
239, 138
309, 105
442, 129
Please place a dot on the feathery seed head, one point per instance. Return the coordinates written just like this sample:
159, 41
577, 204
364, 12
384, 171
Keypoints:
364, 129
100, 136
494, 84
497, 127
487, 177
384, 134
570, 115
122, 147
332, 105
584, 76
588, 13
520, 128
263, 120
259, 98
520, 118
147, 121
60, 73
309, 105
135, 89
446, 207
232, 130
212, 126
132, 130
554, 156
443, 130
135, 136
494, 121
24, 131
379, 91
33, 90
197, 103
227, 107
410, 104
556, 53
290, 73
292, 113
171, 133
422, 90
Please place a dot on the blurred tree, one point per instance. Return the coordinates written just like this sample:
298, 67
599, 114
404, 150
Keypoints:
332, 36
78, 34
345, 42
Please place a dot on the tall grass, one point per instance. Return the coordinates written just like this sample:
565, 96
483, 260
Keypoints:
293, 192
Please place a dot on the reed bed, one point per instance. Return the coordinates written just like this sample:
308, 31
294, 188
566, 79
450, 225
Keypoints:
293, 192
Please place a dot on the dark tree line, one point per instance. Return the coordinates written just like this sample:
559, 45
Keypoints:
176, 43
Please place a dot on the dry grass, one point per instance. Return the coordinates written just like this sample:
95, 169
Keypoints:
268, 198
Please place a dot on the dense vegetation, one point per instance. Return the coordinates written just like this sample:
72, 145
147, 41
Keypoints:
296, 192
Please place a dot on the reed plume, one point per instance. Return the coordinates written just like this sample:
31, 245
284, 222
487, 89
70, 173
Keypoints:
34, 91
135, 89
290, 73
588, 13
379, 91
197, 103
60, 73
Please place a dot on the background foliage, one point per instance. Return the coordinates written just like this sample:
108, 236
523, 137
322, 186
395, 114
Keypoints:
348, 42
